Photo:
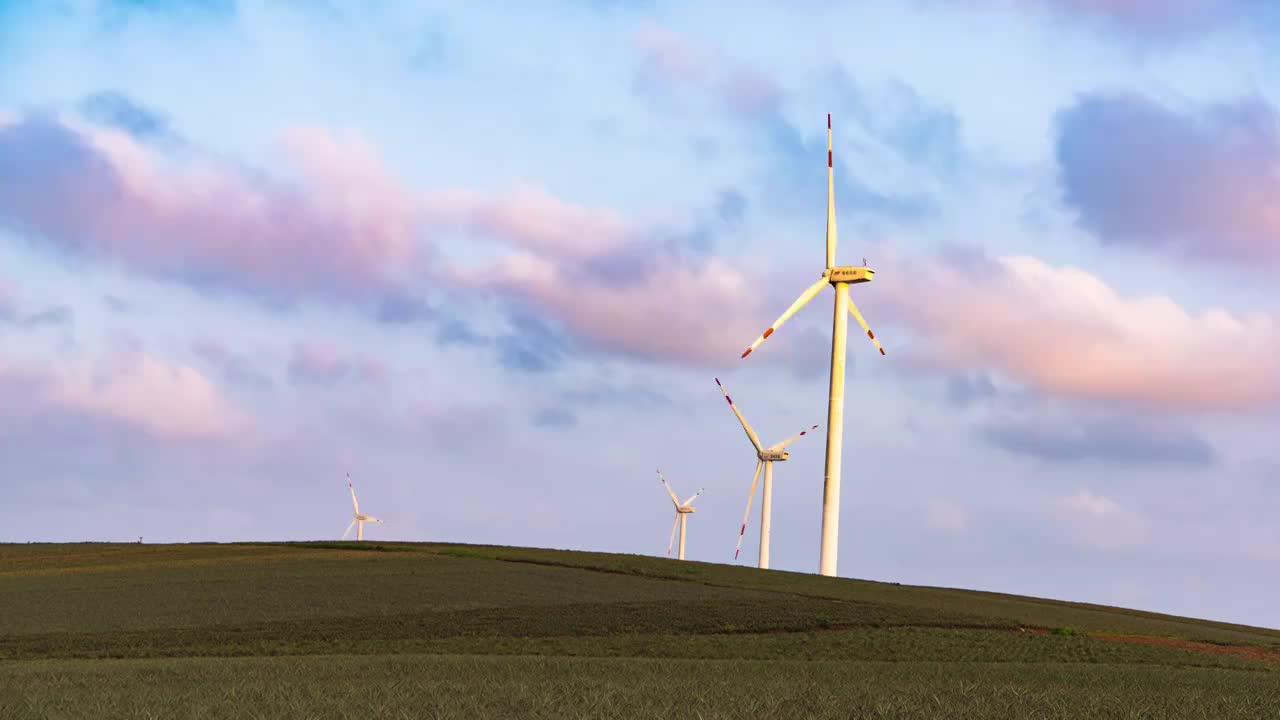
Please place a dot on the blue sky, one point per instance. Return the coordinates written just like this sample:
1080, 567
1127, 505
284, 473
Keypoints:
488, 259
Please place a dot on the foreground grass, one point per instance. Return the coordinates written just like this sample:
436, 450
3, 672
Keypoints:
337, 630
417, 686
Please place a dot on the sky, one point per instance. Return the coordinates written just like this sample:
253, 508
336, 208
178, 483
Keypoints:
488, 258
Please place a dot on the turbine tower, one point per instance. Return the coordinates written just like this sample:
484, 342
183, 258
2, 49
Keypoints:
841, 278
765, 456
682, 514
358, 520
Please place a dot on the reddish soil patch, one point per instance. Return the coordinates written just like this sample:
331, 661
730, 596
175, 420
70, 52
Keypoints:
1240, 651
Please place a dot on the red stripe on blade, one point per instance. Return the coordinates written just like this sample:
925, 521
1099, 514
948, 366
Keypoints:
828, 121
881, 351
828, 158
746, 352
767, 333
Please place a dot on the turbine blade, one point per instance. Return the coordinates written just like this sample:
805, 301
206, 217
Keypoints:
751, 434
754, 479
352, 488
858, 316
672, 541
783, 445
670, 492
348, 532
693, 497
831, 203
372, 519
810, 293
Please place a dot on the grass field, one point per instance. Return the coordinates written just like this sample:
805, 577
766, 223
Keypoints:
340, 630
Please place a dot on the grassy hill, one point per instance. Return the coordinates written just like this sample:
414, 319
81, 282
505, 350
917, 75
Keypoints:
374, 630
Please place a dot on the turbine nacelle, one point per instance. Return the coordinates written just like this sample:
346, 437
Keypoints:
849, 274
773, 455
686, 509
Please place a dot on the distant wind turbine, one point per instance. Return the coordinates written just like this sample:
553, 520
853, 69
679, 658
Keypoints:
682, 514
359, 519
841, 278
765, 456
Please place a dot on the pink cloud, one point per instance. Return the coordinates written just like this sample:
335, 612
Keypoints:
533, 218
1066, 332
165, 400
672, 311
320, 361
343, 229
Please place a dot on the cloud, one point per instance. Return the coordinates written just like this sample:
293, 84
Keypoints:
320, 362
532, 218
235, 368
147, 394
117, 304
672, 68
1098, 522
1065, 332
1199, 184
555, 418
600, 282
674, 312
1117, 440
345, 230
399, 308
1087, 503
114, 109
964, 389
13, 314
532, 346
1148, 20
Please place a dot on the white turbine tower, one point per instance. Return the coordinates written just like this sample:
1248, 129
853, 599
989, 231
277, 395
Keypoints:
682, 515
359, 519
841, 278
765, 456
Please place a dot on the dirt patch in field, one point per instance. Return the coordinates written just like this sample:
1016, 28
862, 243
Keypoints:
1240, 651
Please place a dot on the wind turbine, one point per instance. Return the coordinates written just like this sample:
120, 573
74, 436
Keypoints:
682, 514
841, 278
358, 520
765, 456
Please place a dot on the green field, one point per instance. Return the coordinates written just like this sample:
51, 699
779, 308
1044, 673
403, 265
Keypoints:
374, 630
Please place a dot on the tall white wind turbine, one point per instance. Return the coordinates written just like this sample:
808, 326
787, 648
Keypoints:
682, 514
766, 457
359, 519
841, 278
